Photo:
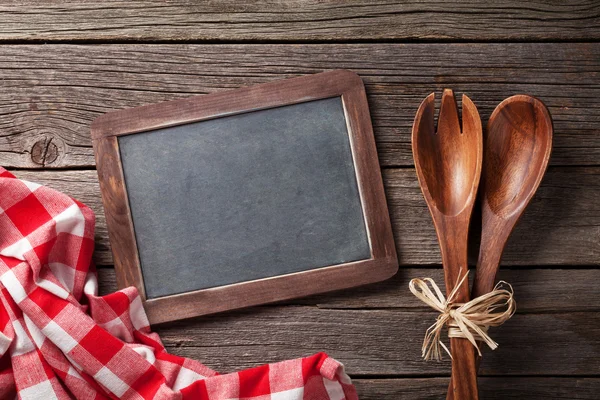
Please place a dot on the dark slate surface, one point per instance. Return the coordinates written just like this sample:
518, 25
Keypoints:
244, 197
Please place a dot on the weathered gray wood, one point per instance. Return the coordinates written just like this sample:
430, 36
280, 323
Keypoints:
298, 20
383, 341
50, 93
489, 388
378, 329
536, 290
560, 227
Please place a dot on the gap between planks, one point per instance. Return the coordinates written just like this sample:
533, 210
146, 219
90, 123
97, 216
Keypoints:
64, 87
299, 20
553, 231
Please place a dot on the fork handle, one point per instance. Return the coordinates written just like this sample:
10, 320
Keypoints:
464, 370
490, 254
453, 247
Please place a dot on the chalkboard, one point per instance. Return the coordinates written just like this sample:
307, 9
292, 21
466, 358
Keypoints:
245, 197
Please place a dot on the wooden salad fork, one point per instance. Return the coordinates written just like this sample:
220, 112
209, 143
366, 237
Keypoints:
448, 165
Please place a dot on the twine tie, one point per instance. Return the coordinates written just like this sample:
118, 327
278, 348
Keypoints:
469, 320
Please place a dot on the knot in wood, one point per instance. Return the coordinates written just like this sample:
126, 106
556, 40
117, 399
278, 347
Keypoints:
44, 152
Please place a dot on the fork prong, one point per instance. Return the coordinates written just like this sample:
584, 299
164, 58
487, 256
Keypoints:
424, 119
448, 121
471, 122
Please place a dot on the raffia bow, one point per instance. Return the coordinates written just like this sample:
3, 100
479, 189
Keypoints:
469, 320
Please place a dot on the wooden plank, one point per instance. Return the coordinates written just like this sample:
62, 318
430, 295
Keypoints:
385, 340
382, 342
560, 227
51, 93
490, 388
298, 20
536, 290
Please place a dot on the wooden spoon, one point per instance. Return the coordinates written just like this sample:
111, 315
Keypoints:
448, 164
517, 149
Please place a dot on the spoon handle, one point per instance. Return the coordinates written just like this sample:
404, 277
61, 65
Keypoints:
453, 246
488, 263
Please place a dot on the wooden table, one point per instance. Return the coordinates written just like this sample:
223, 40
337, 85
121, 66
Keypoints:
62, 65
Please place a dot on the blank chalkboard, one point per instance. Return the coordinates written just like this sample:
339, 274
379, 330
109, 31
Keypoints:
245, 197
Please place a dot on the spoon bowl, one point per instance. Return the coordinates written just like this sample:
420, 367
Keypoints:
517, 149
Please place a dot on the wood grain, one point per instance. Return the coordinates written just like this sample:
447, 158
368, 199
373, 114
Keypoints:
51, 93
117, 213
384, 336
536, 291
382, 342
553, 231
298, 20
490, 388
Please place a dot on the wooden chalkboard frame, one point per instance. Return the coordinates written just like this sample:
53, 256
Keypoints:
345, 84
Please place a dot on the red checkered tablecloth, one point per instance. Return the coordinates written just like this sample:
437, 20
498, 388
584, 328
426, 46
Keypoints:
60, 340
